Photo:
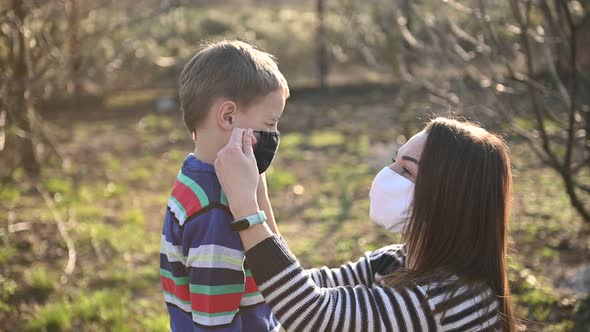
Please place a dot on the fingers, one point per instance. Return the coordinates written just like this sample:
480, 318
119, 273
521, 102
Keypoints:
236, 137
247, 142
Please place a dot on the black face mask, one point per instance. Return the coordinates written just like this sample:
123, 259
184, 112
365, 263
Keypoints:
266, 148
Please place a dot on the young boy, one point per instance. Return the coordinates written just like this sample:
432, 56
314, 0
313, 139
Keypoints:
206, 283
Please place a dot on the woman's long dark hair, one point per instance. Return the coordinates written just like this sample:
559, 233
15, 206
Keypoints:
459, 222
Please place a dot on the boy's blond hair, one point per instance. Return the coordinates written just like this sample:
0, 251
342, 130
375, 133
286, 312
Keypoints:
230, 69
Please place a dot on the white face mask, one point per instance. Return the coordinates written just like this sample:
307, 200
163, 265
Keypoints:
391, 200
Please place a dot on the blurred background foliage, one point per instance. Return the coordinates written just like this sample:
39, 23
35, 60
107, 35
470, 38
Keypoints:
91, 138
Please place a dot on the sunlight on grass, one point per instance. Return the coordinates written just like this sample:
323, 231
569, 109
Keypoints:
51, 317
55, 184
157, 123
291, 141
534, 298
112, 163
320, 213
278, 179
133, 216
9, 193
106, 306
324, 139
152, 319
176, 156
112, 189
359, 146
156, 323
8, 288
7, 252
132, 98
41, 280
140, 174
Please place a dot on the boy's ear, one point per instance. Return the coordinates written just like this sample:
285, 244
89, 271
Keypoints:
226, 113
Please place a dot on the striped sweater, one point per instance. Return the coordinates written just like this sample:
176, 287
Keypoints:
205, 281
352, 298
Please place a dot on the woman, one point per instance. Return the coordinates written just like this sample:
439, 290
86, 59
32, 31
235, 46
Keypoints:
450, 187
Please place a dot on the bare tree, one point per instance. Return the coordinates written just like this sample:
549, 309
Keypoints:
16, 74
41, 56
517, 59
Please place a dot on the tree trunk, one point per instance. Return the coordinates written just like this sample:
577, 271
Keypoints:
75, 61
19, 109
321, 40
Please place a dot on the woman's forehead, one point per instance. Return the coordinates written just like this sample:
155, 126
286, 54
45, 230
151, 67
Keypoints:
414, 145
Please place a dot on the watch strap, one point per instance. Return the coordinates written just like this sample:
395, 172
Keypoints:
249, 221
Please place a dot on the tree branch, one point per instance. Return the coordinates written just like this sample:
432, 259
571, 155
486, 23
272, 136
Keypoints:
573, 89
537, 106
71, 263
164, 8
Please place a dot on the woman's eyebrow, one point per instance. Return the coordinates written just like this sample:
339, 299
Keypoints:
408, 158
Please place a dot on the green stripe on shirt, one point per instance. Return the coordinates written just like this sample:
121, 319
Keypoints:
217, 314
177, 280
216, 290
214, 258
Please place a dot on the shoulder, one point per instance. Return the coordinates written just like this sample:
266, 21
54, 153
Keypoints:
195, 193
393, 249
456, 303
386, 259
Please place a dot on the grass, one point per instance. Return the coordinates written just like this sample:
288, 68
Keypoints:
41, 280
55, 316
8, 288
9, 194
278, 179
132, 98
113, 204
324, 139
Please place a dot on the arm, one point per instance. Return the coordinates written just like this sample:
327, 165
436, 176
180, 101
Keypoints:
351, 274
300, 305
264, 204
362, 272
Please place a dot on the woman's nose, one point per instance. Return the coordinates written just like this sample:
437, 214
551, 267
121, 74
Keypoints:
393, 166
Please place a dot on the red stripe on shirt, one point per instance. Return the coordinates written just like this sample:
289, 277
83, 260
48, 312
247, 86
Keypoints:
250, 286
215, 303
186, 197
180, 291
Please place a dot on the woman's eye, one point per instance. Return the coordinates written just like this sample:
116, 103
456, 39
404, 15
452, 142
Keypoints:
406, 171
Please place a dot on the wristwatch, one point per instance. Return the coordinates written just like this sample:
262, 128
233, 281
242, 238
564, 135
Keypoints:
247, 222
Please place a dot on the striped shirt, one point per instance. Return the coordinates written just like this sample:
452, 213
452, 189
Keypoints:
353, 298
205, 282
